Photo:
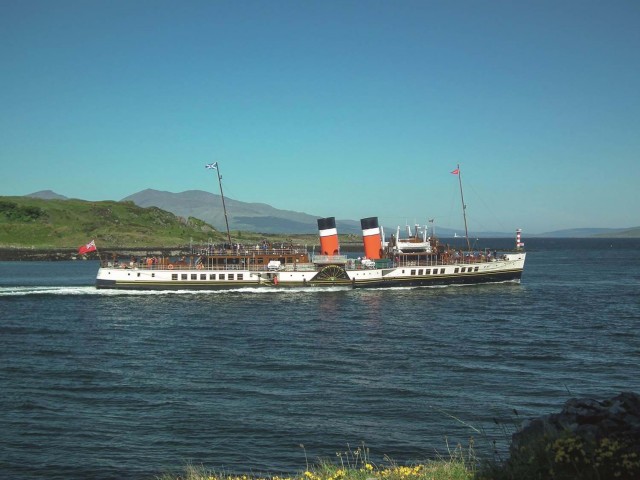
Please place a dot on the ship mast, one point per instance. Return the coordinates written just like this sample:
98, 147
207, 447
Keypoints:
464, 208
224, 208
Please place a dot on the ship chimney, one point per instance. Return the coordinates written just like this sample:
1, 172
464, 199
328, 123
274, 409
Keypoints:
371, 238
329, 244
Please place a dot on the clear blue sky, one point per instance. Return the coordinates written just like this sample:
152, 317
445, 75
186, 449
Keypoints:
333, 108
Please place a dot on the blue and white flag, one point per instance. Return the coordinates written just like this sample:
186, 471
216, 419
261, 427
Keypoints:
212, 165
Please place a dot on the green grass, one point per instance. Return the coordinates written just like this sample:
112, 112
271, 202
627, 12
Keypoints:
36, 223
27, 222
355, 465
563, 457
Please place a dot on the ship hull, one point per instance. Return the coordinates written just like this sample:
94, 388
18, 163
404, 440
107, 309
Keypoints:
507, 270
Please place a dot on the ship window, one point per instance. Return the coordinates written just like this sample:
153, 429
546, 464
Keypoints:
221, 276
203, 276
442, 270
174, 276
476, 269
240, 276
153, 275
184, 276
427, 271
212, 276
420, 272
231, 276
194, 276
413, 272
456, 270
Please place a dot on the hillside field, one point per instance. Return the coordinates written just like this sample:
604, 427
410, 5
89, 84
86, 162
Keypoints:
36, 223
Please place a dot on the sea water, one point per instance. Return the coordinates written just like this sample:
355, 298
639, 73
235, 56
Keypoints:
109, 384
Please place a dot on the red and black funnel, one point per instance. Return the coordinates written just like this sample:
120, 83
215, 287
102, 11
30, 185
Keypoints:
371, 238
329, 244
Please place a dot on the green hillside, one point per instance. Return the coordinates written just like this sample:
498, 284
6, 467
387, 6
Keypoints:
37, 223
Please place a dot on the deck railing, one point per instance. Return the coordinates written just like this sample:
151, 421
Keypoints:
243, 251
166, 263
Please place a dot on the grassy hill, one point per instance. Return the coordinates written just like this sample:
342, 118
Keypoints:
41, 223
38, 223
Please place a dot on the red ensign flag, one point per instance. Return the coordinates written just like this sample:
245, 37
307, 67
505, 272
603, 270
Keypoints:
456, 171
89, 247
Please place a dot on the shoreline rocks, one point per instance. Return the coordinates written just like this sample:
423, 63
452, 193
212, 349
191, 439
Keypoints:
588, 439
64, 254
617, 417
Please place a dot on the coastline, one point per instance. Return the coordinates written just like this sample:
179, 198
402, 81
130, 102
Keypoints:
34, 254
20, 254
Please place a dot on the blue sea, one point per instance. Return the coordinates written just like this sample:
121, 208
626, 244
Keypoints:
118, 385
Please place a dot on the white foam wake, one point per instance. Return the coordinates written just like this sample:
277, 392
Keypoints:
91, 290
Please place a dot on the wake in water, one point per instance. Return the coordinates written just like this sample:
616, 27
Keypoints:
90, 290
45, 290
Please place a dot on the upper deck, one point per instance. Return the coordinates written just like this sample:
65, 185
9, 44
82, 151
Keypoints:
296, 258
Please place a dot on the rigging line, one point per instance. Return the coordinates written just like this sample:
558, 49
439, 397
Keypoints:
464, 208
488, 208
215, 166
453, 205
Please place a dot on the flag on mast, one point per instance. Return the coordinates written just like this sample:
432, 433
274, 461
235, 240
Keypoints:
456, 171
89, 247
212, 165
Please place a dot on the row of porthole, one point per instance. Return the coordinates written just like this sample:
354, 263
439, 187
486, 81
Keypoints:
468, 269
203, 276
434, 271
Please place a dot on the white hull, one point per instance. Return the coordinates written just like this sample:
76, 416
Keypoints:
508, 267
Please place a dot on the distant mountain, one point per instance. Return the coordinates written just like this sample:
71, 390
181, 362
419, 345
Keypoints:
583, 233
253, 217
624, 233
47, 195
263, 218
260, 217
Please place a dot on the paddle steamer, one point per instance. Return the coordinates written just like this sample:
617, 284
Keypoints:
417, 260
